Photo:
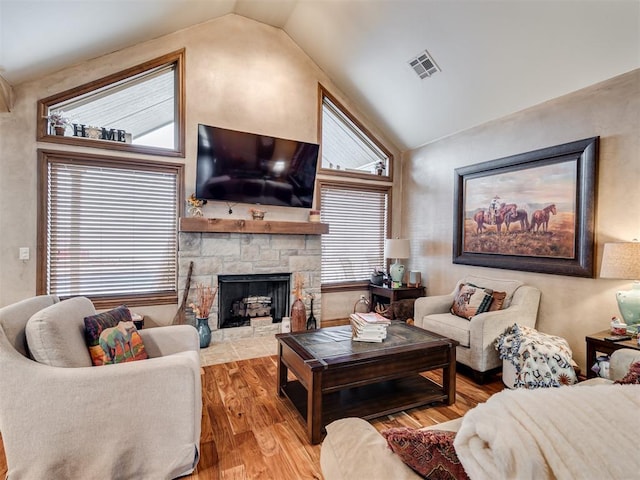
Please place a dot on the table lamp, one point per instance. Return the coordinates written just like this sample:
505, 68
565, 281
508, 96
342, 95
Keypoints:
622, 260
396, 248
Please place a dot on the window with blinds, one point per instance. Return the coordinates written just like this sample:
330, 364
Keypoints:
355, 242
347, 147
110, 228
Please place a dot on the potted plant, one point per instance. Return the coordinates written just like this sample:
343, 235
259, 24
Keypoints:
58, 121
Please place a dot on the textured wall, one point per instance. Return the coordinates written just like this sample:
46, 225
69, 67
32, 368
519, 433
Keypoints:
570, 307
240, 74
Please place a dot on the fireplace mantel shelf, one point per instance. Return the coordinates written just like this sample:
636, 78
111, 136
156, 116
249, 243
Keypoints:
219, 225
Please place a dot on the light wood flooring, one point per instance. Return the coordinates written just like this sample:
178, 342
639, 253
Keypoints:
248, 432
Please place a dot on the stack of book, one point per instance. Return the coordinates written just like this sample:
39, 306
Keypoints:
369, 327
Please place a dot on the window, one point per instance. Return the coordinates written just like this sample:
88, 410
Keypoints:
139, 109
347, 147
354, 198
107, 228
355, 242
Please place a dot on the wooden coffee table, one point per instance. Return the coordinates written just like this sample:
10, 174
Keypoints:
337, 377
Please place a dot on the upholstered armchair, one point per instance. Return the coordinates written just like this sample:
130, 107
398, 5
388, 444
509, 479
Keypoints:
477, 336
137, 419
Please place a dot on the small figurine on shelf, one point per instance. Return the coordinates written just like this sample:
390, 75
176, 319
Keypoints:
195, 205
298, 310
257, 214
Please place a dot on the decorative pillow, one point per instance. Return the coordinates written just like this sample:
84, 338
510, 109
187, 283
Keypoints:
471, 300
428, 452
113, 338
498, 301
632, 376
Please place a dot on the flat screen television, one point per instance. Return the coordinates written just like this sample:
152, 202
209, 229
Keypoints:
235, 166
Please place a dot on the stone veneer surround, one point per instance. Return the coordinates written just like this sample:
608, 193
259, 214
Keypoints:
244, 254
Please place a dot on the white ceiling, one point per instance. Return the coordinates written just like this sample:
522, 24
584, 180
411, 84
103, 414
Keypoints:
497, 57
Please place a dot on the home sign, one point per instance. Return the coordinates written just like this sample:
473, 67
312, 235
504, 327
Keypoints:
100, 133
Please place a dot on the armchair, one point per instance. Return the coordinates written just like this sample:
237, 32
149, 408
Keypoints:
130, 420
477, 336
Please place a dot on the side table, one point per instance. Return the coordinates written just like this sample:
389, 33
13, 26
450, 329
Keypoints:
596, 343
388, 296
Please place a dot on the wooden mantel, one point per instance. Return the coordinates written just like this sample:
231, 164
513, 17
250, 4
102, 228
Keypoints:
219, 225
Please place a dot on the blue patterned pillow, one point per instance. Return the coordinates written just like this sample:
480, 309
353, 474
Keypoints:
113, 338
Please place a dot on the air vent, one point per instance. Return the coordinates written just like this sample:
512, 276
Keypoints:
424, 65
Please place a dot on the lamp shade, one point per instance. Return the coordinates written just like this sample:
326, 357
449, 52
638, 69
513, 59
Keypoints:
621, 260
396, 248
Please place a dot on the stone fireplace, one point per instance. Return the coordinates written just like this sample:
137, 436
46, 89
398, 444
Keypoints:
240, 249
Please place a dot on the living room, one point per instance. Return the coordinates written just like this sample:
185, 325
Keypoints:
250, 76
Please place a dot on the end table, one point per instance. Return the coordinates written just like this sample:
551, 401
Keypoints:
596, 343
387, 296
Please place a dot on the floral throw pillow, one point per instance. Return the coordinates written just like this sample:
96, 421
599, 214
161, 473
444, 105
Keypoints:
430, 453
632, 376
471, 300
112, 337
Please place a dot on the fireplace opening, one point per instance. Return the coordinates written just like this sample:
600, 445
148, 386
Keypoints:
245, 297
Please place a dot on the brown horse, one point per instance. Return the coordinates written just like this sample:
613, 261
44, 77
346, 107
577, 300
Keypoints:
540, 218
481, 218
520, 216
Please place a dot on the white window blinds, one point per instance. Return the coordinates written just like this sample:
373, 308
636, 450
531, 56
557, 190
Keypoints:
110, 230
355, 243
345, 146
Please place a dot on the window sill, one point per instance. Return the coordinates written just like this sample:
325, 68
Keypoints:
160, 298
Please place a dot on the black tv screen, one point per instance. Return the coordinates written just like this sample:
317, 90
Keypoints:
245, 167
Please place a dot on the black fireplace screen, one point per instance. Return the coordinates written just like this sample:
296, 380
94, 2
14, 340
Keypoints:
243, 297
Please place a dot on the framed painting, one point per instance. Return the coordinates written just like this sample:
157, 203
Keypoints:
533, 211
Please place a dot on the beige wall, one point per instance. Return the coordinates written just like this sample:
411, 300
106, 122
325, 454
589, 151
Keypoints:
570, 307
240, 74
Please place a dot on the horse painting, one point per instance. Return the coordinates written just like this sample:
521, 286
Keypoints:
540, 218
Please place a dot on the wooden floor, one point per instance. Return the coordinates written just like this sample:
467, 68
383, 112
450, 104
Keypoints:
250, 432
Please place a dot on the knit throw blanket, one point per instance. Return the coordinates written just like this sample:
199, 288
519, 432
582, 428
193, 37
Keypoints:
540, 360
588, 432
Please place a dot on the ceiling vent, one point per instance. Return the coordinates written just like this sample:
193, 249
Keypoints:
424, 65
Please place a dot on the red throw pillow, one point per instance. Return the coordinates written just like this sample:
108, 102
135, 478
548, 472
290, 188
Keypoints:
632, 376
430, 453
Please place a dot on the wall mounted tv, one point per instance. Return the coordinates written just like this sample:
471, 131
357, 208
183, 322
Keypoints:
244, 167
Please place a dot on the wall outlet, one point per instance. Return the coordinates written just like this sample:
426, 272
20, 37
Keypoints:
24, 253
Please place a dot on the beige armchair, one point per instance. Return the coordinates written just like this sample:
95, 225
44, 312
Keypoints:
477, 336
131, 420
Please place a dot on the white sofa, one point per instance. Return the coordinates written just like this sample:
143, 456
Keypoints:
131, 420
477, 336
353, 448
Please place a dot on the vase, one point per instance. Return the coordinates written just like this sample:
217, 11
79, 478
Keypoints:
204, 331
298, 316
312, 324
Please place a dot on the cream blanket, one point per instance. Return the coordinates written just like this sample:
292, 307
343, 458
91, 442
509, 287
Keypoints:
588, 432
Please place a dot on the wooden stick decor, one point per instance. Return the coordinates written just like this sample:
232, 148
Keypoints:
180, 317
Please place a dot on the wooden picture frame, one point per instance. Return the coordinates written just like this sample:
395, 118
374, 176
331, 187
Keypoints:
534, 211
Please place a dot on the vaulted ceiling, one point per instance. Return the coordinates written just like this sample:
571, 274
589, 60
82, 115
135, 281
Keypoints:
496, 57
